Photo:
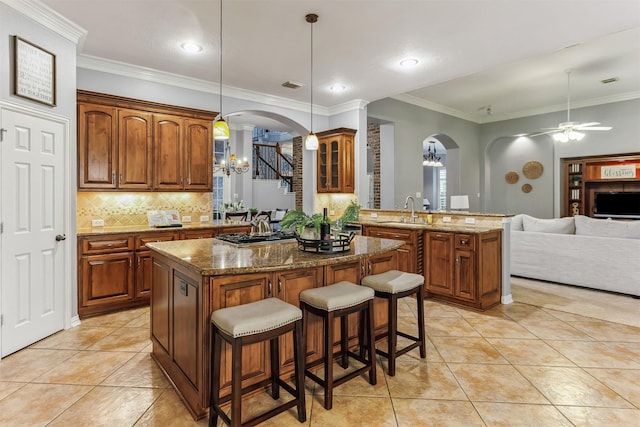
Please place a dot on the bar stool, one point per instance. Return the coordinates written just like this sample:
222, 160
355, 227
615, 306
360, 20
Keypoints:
338, 301
258, 321
391, 285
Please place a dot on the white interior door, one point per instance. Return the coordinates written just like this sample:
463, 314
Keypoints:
32, 255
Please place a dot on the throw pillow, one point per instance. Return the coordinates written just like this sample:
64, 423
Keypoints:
587, 226
555, 225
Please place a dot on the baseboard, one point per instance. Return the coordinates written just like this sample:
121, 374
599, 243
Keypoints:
75, 321
506, 299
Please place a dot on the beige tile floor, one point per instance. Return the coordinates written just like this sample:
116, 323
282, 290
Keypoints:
518, 364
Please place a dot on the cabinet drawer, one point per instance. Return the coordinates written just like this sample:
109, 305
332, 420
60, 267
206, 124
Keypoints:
141, 241
391, 233
196, 234
106, 244
465, 241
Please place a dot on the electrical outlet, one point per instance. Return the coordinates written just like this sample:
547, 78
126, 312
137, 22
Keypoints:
332, 212
446, 219
469, 220
418, 194
97, 222
204, 218
186, 218
374, 214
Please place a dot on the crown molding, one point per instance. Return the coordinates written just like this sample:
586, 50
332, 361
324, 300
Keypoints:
410, 99
356, 104
152, 75
49, 18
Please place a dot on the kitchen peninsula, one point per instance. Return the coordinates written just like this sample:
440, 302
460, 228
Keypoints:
191, 278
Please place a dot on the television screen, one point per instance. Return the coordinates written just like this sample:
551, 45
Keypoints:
617, 204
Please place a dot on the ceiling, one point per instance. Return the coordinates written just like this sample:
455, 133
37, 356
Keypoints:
482, 60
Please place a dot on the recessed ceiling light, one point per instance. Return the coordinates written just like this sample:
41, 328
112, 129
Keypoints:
337, 88
409, 62
191, 47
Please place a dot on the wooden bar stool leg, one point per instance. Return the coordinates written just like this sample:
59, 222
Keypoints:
299, 360
392, 335
214, 398
236, 383
371, 341
421, 332
275, 367
328, 361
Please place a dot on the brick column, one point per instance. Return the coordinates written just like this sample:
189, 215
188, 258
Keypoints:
297, 170
373, 142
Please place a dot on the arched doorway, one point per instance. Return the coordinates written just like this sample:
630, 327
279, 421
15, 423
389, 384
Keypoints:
439, 171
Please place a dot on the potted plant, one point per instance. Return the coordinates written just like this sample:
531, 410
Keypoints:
307, 227
350, 214
252, 213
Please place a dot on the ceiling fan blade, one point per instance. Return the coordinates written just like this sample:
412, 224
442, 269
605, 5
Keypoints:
595, 128
545, 133
583, 125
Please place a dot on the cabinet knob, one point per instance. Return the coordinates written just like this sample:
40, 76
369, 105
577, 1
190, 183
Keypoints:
269, 288
279, 286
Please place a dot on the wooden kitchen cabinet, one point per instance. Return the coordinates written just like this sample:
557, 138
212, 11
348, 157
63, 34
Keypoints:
464, 268
410, 257
128, 144
106, 274
143, 261
335, 161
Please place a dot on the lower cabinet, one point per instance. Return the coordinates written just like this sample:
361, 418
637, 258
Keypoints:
464, 268
409, 254
114, 270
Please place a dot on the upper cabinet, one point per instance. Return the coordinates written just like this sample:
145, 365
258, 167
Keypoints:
126, 144
336, 161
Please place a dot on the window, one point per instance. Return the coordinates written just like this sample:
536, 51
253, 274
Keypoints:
218, 195
442, 188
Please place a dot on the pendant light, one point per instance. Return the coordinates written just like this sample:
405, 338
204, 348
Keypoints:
311, 142
220, 127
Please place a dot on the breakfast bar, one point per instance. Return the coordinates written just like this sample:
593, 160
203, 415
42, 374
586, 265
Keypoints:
192, 278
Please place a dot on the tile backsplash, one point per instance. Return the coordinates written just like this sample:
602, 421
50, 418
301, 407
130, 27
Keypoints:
122, 209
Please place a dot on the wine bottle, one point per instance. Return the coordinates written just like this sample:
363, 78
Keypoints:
325, 226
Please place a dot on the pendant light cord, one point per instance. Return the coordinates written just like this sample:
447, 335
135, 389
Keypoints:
221, 59
311, 85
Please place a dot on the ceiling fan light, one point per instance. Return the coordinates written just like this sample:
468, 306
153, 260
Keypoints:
221, 129
575, 136
311, 142
560, 137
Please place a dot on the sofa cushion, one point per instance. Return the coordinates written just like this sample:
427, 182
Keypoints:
555, 225
587, 226
516, 222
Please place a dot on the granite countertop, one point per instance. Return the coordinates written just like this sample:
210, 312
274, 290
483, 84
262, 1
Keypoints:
98, 231
452, 227
210, 257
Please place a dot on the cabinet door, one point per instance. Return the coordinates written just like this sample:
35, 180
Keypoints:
134, 149
107, 279
229, 291
438, 263
407, 253
168, 151
186, 348
198, 148
465, 286
347, 164
144, 265
97, 146
324, 168
288, 285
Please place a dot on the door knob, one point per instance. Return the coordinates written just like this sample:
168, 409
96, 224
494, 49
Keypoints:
61, 237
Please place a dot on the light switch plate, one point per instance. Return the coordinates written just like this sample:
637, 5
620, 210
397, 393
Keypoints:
446, 219
186, 218
97, 222
204, 218
374, 214
470, 220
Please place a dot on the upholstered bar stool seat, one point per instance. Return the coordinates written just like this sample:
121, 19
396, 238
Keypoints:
391, 285
338, 301
258, 321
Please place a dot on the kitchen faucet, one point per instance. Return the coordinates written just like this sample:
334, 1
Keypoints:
413, 208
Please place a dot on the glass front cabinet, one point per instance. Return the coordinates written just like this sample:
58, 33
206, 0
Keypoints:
336, 161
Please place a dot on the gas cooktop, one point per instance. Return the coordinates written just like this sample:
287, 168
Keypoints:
240, 238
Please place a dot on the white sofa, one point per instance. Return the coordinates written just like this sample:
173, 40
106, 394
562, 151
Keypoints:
582, 251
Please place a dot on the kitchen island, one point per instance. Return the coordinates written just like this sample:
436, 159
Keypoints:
191, 278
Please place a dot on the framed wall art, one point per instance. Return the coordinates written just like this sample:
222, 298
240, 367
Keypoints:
34, 72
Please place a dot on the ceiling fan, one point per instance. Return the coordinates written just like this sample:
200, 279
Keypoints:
570, 131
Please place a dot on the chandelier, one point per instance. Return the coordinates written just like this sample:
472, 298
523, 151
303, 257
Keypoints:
430, 159
230, 163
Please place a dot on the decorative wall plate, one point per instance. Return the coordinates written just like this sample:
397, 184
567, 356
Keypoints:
532, 169
511, 177
526, 188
